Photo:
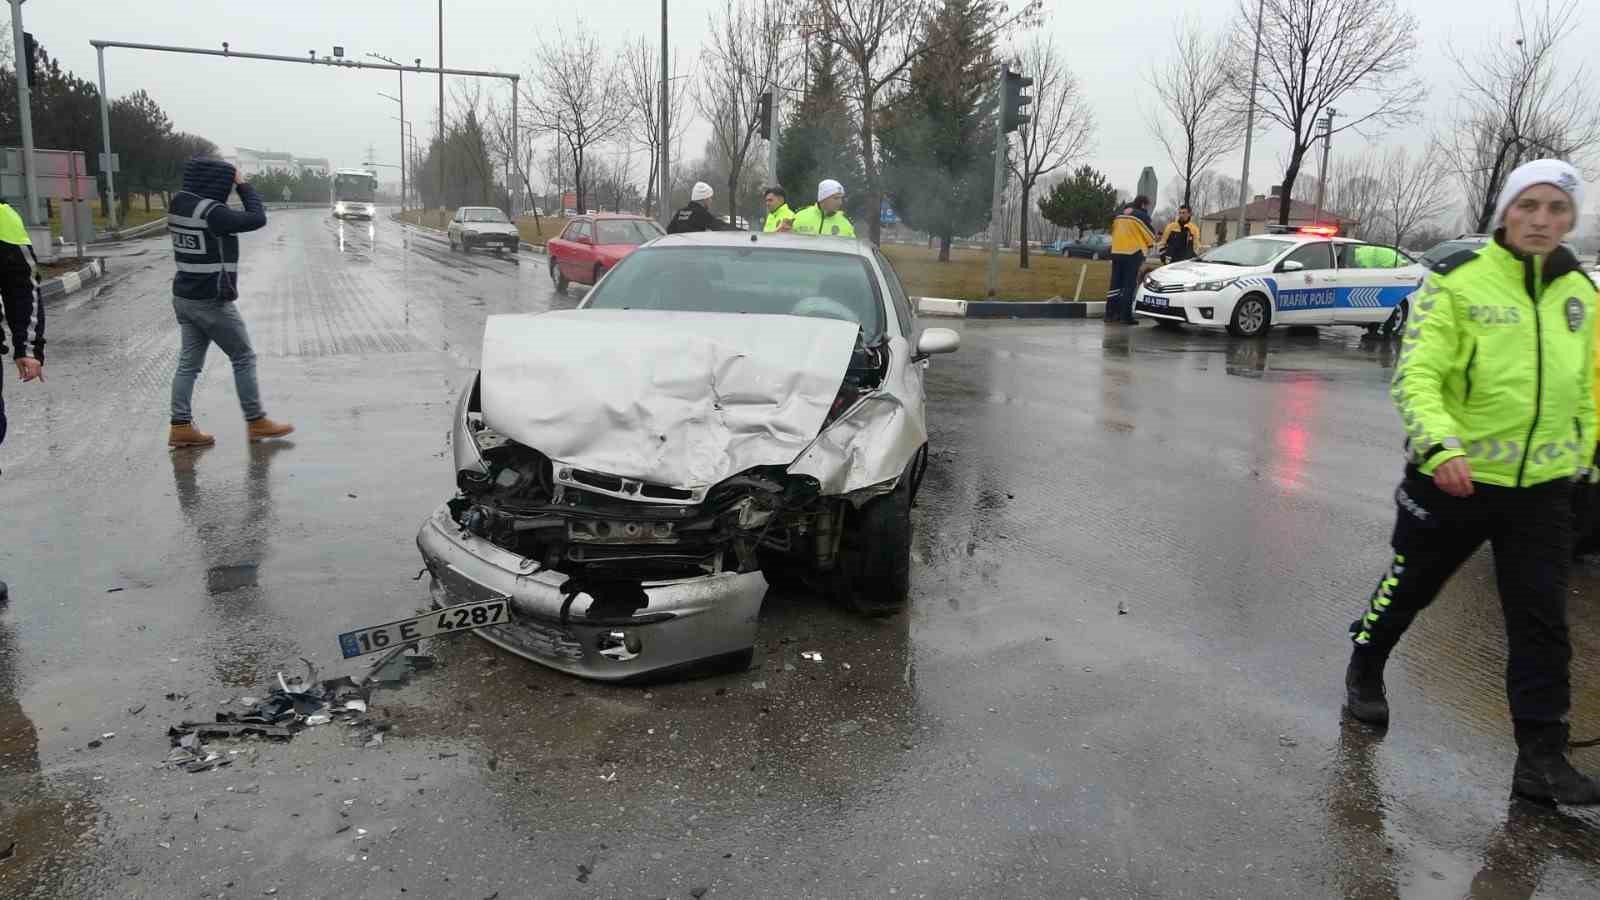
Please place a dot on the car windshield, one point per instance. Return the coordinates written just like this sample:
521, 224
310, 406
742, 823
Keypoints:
354, 187
1250, 251
1440, 251
761, 281
626, 231
483, 215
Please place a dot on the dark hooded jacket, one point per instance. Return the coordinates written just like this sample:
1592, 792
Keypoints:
695, 217
205, 231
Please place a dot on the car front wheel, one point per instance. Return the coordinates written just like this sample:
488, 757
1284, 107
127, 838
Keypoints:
874, 566
1251, 316
558, 279
1396, 323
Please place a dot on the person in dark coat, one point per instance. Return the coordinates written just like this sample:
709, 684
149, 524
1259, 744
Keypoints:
697, 215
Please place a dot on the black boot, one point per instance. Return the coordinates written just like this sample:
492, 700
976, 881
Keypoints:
1363, 682
5, 593
1544, 774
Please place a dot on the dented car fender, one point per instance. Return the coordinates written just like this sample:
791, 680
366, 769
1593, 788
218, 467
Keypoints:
872, 442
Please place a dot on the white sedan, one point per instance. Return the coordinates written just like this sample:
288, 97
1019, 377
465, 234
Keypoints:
1254, 283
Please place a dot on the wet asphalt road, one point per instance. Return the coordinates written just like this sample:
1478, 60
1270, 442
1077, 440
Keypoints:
1013, 735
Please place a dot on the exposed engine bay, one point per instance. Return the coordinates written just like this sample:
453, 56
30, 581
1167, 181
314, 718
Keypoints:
598, 526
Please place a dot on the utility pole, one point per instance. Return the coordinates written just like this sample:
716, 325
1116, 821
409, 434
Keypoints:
663, 189
1250, 117
992, 282
105, 133
441, 106
1327, 144
25, 112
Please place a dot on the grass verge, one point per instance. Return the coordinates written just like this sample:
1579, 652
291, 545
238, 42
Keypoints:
965, 275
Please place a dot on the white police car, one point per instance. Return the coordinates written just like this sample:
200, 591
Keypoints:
1308, 277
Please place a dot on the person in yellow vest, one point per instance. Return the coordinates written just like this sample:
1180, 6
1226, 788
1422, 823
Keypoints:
23, 311
779, 216
826, 217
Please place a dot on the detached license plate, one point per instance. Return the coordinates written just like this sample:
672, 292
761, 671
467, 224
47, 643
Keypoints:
462, 617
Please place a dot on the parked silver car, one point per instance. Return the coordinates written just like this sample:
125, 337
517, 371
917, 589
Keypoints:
723, 406
481, 227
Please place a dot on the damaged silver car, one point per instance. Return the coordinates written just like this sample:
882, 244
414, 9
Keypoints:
723, 409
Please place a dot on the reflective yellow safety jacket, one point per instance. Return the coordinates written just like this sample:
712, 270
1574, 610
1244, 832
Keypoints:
12, 230
777, 217
1131, 233
811, 221
1498, 366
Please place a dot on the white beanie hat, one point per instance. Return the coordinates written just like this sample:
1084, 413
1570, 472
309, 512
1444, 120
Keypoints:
828, 188
700, 191
1553, 172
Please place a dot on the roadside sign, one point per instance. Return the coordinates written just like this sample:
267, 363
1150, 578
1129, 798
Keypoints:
113, 166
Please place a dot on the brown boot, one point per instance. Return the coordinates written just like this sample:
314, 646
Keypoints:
265, 429
186, 435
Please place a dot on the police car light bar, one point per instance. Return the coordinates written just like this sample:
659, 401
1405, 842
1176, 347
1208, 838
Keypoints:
1319, 230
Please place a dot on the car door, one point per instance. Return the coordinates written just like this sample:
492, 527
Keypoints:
1305, 294
1368, 283
579, 263
900, 307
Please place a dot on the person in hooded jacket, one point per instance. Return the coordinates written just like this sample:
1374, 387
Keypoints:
205, 243
697, 216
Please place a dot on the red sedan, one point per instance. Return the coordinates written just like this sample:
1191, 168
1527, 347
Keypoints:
591, 245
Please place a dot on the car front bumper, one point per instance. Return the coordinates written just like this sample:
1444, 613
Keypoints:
685, 624
1204, 309
508, 241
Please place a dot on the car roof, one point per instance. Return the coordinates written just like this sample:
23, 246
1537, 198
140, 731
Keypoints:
1308, 238
609, 217
495, 208
786, 241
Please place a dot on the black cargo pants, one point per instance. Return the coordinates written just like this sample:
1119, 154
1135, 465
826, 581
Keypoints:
1530, 532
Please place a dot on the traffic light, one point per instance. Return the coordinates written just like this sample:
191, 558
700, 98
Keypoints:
1012, 116
764, 114
30, 47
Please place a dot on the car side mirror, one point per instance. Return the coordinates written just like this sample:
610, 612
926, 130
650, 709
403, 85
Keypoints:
585, 239
934, 341
1291, 265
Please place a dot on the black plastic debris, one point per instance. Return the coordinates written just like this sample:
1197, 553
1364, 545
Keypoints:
135, 709
9, 851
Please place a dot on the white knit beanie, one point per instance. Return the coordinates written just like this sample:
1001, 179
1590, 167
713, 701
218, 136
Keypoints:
1553, 172
700, 191
828, 188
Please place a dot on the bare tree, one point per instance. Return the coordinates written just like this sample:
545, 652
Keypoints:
1413, 190
881, 39
641, 72
575, 96
739, 65
1061, 128
1516, 105
1195, 124
1319, 54
1356, 192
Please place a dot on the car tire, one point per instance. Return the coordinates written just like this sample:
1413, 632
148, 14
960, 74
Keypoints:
1396, 323
874, 566
466, 247
1252, 316
452, 241
557, 278
598, 271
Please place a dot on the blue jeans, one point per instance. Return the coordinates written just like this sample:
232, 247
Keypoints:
207, 322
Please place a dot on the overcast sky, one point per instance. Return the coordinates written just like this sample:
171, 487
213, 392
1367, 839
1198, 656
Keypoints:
314, 111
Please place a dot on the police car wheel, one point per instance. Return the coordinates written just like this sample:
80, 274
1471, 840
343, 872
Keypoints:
1396, 323
1251, 316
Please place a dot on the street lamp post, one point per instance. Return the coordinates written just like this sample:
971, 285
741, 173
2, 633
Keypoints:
401, 75
25, 112
1250, 117
664, 191
441, 105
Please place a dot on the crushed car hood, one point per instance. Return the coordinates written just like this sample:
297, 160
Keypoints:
670, 398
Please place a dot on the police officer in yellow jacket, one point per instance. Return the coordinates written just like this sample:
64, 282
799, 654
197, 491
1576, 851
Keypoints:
779, 216
827, 217
23, 311
1495, 386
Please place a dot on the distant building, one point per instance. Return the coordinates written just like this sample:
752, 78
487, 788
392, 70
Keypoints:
251, 162
1221, 226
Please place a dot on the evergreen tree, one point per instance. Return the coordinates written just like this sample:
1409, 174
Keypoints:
1085, 199
818, 140
937, 141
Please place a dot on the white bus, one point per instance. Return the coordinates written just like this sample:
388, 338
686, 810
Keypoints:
353, 193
